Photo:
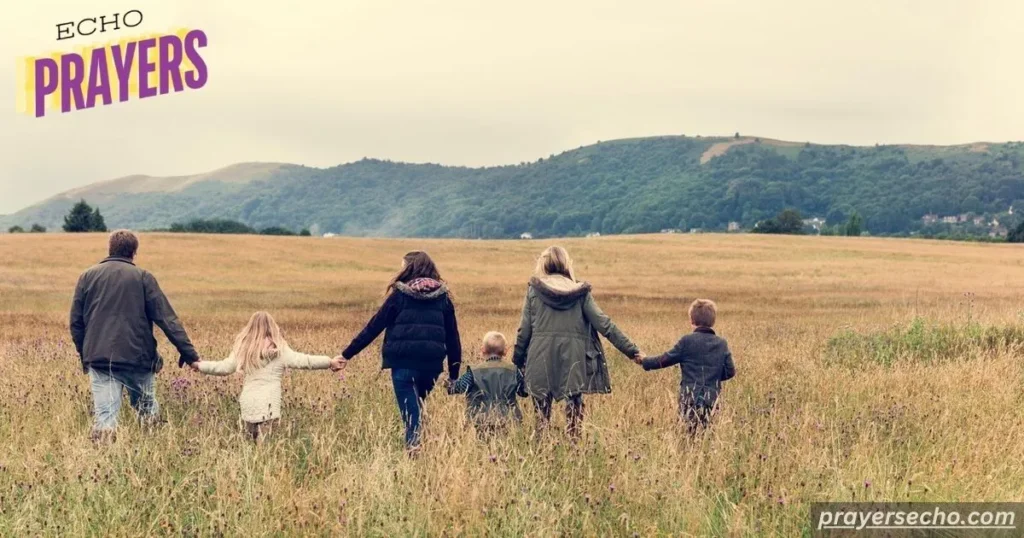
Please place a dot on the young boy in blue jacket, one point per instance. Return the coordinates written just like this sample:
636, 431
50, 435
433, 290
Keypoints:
705, 361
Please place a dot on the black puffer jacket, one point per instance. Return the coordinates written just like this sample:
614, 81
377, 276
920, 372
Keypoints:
419, 326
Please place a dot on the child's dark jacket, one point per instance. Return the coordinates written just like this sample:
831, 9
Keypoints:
491, 389
705, 361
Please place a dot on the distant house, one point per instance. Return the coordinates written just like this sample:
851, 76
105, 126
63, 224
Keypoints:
696, 230
929, 219
998, 231
734, 226
949, 220
670, 231
526, 235
979, 221
963, 217
329, 235
594, 234
817, 223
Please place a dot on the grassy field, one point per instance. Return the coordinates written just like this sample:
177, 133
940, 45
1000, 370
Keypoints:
867, 369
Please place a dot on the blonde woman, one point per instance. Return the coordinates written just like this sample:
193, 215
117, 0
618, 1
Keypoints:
261, 354
557, 345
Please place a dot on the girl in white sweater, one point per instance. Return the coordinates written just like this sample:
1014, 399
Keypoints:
262, 354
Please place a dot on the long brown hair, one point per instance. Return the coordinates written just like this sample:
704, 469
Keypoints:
418, 264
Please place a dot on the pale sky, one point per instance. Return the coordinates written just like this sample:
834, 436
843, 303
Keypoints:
473, 82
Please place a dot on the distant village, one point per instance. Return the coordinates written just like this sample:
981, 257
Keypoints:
992, 226
931, 224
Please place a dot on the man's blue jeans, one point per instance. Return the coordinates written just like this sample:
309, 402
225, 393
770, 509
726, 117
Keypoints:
411, 388
107, 387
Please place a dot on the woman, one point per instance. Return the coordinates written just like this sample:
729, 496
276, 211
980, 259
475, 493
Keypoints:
558, 344
420, 330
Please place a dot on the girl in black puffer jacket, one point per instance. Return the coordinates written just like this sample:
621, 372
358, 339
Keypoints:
420, 330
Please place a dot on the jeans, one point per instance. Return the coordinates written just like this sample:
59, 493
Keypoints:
106, 396
573, 413
411, 388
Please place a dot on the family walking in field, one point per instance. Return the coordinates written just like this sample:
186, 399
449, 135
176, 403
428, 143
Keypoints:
557, 356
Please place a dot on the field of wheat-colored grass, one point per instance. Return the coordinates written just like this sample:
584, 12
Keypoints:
938, 419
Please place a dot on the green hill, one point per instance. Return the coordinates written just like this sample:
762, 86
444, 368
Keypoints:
622, 186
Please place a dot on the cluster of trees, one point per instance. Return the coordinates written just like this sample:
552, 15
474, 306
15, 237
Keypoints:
36, 229
789, 221
1016, 235
83, 218
624, 186
226, 226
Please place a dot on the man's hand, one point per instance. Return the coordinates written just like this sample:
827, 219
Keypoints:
639, 357
338, 363
195, 364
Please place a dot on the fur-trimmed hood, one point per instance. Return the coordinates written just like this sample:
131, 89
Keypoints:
423, 289
559, 292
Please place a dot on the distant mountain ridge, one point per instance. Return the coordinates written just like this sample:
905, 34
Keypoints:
621, 186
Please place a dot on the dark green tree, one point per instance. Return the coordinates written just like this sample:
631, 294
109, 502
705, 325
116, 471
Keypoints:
15, 230
276, 230
790, 222
855, 225
786, 222
38, 229
305, 232
1016, 235
96, 221
83, 218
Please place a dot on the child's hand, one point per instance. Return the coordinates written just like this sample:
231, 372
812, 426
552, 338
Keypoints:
338, 364
195, 365
639, 357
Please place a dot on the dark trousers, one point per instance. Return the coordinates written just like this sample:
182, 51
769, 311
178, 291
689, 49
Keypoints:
573, 413
697, 417
411, 388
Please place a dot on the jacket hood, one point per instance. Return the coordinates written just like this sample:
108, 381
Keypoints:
559, 292
422, 288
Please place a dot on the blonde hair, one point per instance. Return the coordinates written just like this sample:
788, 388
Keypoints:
494, 343
554, 261
703, 313
259, 343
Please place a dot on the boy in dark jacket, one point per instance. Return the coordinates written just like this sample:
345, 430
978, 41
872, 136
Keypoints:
491, 388
705, 361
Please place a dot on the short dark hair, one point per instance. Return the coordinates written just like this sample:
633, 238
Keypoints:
124, 243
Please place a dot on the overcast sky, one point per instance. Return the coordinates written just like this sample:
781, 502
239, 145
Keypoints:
474, 82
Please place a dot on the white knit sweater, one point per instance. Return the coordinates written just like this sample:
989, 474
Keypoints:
260, 399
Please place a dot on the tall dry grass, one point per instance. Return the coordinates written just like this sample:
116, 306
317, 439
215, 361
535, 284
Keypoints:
797, 425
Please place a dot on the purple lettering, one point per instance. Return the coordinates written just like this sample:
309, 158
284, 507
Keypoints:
195, 79
72, 73
99, 79
170, 63
145, 68
123, 68
46, 83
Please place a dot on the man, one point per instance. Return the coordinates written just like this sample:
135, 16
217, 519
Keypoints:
112, 317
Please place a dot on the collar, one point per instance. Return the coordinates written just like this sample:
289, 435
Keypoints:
705, 330
117, 259
493, 358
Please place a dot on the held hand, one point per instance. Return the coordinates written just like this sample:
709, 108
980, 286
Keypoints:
338, 363
195, 365
639, 357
